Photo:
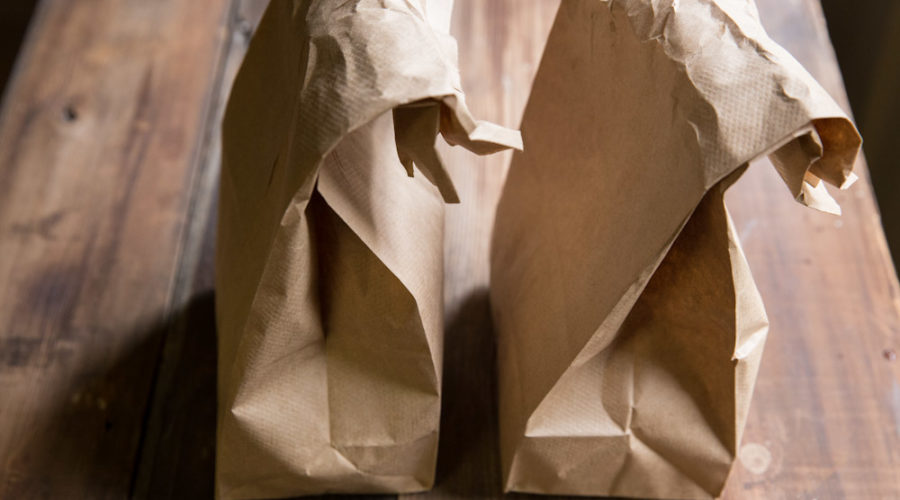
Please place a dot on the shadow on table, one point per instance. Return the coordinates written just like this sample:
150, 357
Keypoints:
468, 463
107, 438
468, 458
86, 434
179, 445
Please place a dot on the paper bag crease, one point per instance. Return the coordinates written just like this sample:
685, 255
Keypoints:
329, 257
629, 327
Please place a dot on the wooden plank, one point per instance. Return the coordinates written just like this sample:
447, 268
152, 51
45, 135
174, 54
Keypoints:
178, 456
98, 150
825, 418
98, 261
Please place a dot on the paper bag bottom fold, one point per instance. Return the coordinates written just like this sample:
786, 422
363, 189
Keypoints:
335, 387
659, 411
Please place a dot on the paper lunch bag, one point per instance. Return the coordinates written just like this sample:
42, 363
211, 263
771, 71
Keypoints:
330, 248
629, 327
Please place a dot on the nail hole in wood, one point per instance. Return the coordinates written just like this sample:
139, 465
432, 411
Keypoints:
69, 114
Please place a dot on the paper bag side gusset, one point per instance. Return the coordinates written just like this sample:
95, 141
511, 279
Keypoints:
637, 112
329, 256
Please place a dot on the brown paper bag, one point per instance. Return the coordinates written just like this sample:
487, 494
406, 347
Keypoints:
329, 256
629, 327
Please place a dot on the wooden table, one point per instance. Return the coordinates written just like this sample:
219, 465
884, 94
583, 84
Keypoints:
108, 170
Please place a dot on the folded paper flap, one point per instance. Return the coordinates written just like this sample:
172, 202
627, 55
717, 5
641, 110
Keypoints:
459, 128
824, 150
417, 124
841, 143
368, 57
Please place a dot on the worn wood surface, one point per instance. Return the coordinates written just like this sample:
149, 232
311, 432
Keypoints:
99, 140
108, 171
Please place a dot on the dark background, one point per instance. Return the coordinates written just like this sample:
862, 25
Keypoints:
14, 17
866, 38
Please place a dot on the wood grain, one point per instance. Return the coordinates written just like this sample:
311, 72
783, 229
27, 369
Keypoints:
178, 456
99, 139
826, 412
108, 172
